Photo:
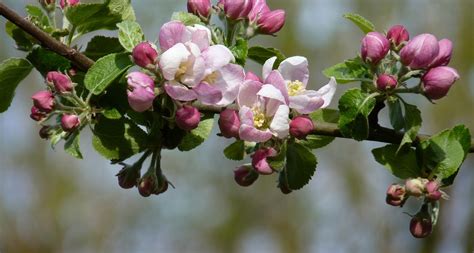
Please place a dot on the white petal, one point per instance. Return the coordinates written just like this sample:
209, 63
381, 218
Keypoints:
295, 68
270, 91
171, 60
268, 67
280, 125
327, 92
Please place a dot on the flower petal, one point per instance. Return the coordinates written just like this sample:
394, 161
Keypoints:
171, 60
172, 33
270, 91
305, 104
248, 93
276, 79
229, 80
268, 67
217, 57
247, 131
208, 94
280, 125
180, 92
327, 92
200, 35
295, 68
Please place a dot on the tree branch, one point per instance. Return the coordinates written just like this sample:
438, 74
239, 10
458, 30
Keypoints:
379, 134
78, 59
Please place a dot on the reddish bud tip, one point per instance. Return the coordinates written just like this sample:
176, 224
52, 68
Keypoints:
43, 101
301, 126
395, 195
70, 122
374, 47
245, 175
145, 55
229, 123
437, 81
271, 22
420, 52
259, 160
386, 82
200, 7
66, 3
61, 82
398, 34
188, 118
237, 9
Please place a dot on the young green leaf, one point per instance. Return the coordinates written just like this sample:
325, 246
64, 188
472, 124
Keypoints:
278, 162
71, 146
235, 151
352, 70
112, 113
240, 51
39, 18
130, 34
396, 115
100, 46
355, 107
197, 136
12, 72
23, 41
365, 25
300, 165
105, 71
412, 125
261, 55
402, 165
45, 60
118, 139
186, 18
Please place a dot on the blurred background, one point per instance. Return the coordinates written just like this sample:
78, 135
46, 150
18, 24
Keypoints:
50, 202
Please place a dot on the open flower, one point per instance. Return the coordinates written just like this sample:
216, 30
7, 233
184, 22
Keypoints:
294, 74
196, 70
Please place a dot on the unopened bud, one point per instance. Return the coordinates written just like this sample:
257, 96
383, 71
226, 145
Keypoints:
415, 186
70, 122
396, 195
145, 55
398, 34
421, 225
420, 52
271, 22
128, 176
188, 118
148, 184
43, 101
237, 9
245, 175
67, 3
444, 54
44, 132
386, 82
61, 82
374, 47
432, 190
259, 160
200, 7
437, 81
36, 114
229, 123
141, 91
301, 126
259, 8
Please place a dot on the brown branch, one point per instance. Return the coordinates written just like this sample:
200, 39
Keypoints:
379, 134
80, 60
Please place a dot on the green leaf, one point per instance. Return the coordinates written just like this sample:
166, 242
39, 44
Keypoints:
262, 54
396, 115
365, 25
130, 34
38, 17
45, 61
118, 139
92, 17
197, 136
23, 41
235, 151
402, 165
300, 165
71, 146
12, 72
278, 162
186, 18
412, 122
351, 70
105, 71
240, 51
445, 152
100, 46
112, 113
355, 107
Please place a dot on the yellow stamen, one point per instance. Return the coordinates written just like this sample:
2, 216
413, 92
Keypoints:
211, 78
295, 87
259, 119
181, 70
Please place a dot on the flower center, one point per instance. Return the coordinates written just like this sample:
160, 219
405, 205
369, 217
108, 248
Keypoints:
211, 78
295, 87
181, 70
259, 119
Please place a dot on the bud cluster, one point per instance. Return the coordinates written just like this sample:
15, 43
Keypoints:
422, 57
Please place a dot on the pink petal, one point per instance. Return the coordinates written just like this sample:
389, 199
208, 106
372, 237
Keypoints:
268, 67
180, 92
208, 94
230, 79
172, 33
276, 79
248, 93
305, 104
200, 35
327, 92
270, 91
295, 68
216, 57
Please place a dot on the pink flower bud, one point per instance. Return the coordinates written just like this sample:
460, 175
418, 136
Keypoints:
437, 81
245, 175
61, 82
145, 55
188, 118
395, 195
386, 82
421, 225
398, 34
148, 184
252, 76
128, 176
162, 185
229, 123
259, 160
140, 91
415, 186
43, 101
36, 114
66, 3
444, 54
69, 122
420, 52
301, 126
271, 22
432, 190
44, 132
237, 9
374, 47
200, 7
259, 8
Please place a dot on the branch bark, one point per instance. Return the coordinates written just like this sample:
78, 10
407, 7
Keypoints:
379, 134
